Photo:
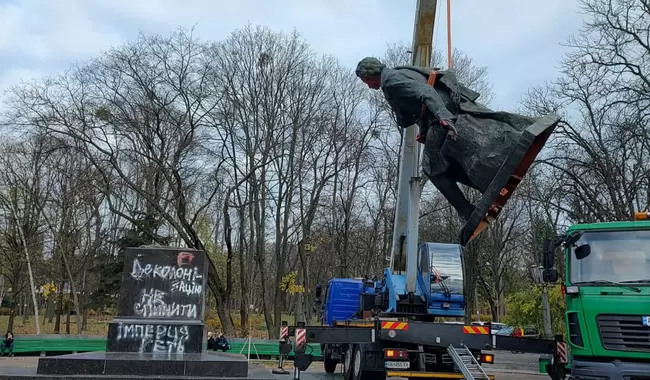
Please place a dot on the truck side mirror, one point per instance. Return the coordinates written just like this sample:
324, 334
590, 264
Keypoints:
582, 251
548, 254
318, 292
549, 275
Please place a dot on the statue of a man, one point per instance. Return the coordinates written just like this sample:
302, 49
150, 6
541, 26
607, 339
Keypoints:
465, 142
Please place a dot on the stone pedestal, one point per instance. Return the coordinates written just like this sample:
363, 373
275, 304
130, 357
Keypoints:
159, 330
155, 336
162, 304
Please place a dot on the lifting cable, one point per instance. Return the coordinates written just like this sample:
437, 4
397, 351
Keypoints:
449, 64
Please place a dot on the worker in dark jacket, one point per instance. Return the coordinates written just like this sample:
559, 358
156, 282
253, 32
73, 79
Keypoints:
221, 343
465, 142
7, 344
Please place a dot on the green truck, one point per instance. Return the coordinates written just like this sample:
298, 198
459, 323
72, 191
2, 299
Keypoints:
607, 293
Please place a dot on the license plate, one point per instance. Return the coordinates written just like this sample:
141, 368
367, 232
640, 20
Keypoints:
646, 320
446, 304
398, 365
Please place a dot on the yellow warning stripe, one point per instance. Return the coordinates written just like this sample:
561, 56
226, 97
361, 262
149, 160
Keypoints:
476, 330
430, 375
402, 326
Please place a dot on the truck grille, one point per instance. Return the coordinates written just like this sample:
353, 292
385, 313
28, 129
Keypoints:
623, 333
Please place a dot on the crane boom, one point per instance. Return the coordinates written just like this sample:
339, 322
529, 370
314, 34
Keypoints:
409, 187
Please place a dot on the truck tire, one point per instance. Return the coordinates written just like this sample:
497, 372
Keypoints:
357, 367
357, 363
328, 362
348, 363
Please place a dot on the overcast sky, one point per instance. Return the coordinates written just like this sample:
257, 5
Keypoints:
518, 40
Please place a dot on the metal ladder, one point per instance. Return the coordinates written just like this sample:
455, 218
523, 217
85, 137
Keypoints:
466, 363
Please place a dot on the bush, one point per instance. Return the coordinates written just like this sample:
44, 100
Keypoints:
525, 309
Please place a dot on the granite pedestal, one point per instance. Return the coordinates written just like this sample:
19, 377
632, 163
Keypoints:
159, 330
93, 361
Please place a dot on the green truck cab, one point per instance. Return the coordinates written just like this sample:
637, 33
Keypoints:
607, 294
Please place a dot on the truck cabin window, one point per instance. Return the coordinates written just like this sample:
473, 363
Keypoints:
616, 256
446, 265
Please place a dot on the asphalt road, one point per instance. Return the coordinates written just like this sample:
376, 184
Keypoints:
316, 372
507, 366
509, 361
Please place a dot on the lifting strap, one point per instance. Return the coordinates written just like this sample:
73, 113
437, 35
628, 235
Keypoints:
432, 81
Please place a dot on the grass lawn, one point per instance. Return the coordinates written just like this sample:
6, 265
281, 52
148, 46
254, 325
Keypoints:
97, 325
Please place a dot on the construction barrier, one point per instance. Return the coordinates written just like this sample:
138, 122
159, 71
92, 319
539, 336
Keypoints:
284, 349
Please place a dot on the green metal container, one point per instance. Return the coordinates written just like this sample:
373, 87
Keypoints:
543, 361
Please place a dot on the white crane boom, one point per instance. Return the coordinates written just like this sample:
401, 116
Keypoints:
409, 188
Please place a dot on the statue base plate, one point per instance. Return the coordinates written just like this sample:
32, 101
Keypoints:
114, 366
508, 177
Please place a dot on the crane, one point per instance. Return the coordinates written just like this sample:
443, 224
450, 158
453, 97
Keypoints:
410, 183
388, 328
408, 279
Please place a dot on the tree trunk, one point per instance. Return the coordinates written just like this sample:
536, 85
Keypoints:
75, 298
227, 324
243, 281
25, 310
32, 285
59, 307
12, 315
67, 317
51, 308
84, 296
2, 289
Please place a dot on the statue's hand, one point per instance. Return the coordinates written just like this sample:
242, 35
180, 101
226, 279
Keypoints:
452, 133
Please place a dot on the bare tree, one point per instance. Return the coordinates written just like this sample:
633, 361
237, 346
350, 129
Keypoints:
21, 198
601, 150
139, 115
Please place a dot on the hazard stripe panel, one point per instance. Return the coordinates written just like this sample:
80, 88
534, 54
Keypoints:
389, 325
481, 330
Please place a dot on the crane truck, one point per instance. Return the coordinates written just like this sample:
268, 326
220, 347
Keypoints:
388, 327
607, 291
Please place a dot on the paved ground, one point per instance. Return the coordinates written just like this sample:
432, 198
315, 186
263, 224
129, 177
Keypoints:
507, 367
316, 372
506, 360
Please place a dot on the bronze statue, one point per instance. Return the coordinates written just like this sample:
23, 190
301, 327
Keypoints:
465, 142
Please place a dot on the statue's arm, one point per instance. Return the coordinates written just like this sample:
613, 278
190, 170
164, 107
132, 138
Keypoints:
405, 91
400, 118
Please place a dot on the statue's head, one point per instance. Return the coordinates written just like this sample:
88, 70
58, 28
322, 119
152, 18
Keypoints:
369, 71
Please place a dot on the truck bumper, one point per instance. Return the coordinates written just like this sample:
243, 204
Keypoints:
615, 370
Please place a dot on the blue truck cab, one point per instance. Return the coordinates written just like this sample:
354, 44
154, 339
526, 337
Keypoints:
342, 300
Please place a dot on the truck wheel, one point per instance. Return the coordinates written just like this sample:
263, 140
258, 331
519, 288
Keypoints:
348, 363
357, 367
328, 362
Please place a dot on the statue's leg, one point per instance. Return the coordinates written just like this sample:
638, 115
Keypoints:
457, 174
450, 190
